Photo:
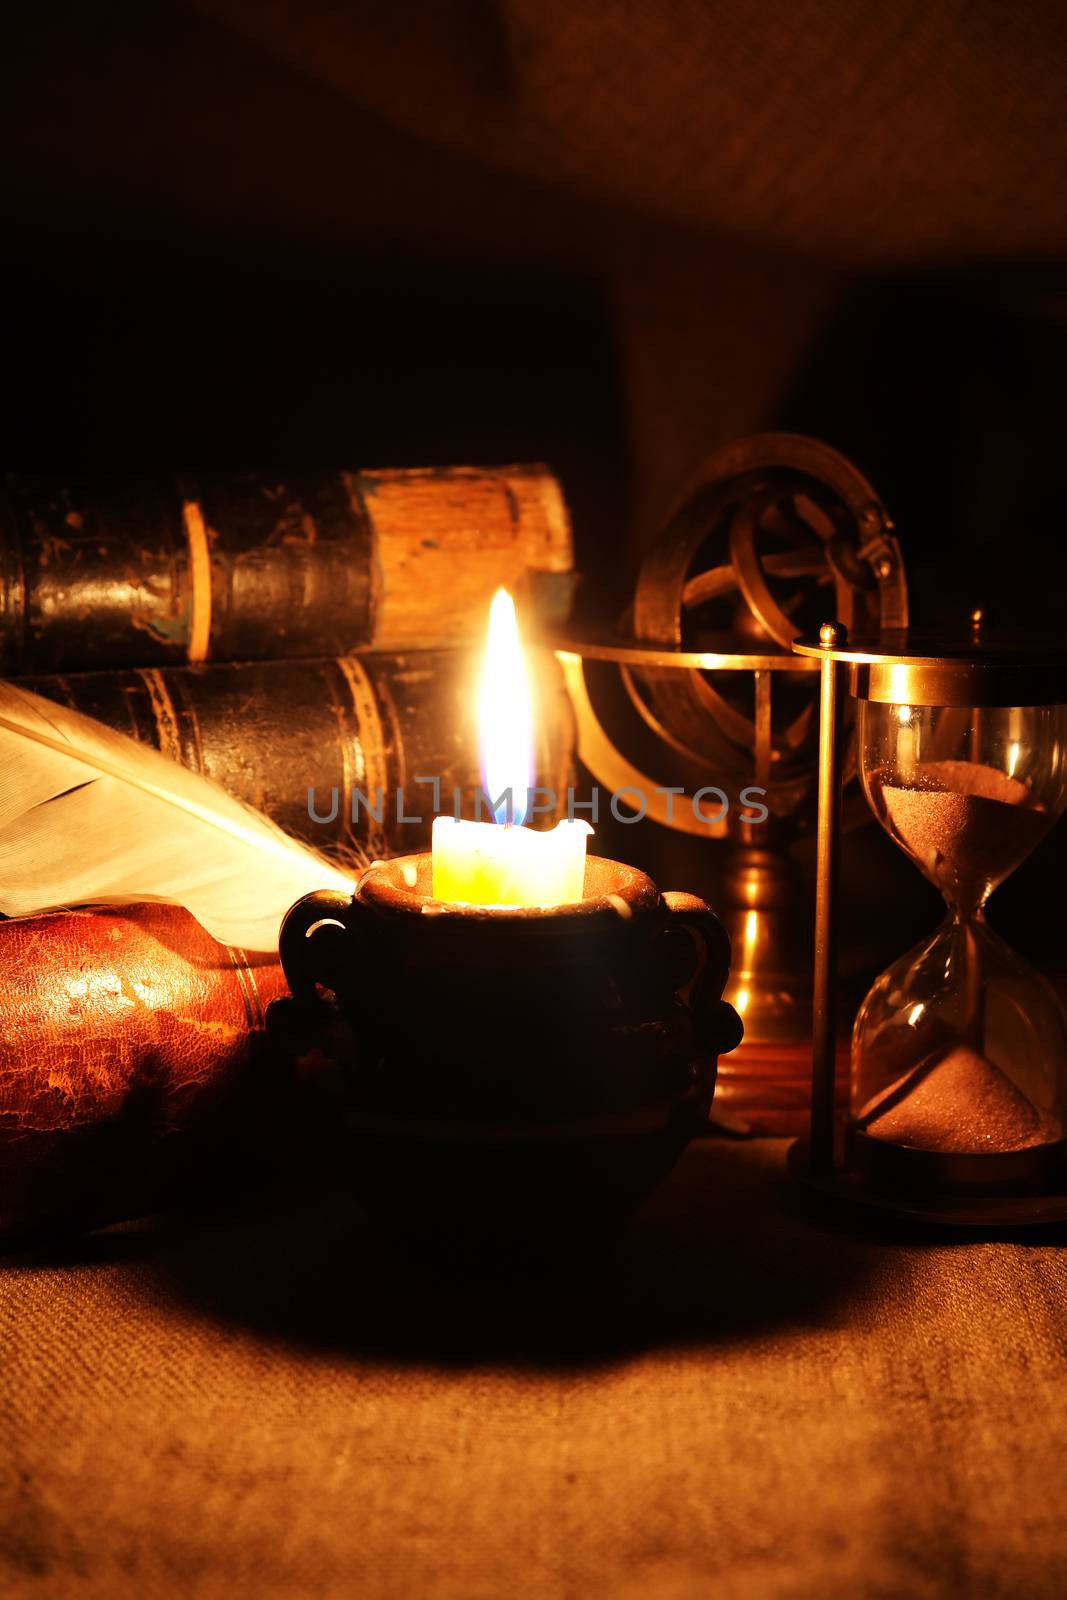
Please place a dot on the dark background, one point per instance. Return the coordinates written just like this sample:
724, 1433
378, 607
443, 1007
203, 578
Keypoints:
609, 237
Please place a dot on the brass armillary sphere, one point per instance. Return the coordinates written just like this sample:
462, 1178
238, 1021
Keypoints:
773, 533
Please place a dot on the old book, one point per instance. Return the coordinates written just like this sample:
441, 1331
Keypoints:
362, 750
164, 570
130, 1041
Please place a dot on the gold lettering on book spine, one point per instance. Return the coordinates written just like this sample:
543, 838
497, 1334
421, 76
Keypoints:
199, 581
371, 771
164, 714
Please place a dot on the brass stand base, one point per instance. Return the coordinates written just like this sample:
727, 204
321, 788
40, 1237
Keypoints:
951, 1210
767, 1086
767, 1082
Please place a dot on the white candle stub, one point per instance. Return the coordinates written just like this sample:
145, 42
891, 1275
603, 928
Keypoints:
488, 864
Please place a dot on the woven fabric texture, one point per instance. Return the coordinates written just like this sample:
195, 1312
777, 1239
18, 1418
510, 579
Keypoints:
752, 1399
880, 133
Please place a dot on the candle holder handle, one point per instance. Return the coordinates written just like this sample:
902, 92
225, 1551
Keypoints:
697, 965
315, 942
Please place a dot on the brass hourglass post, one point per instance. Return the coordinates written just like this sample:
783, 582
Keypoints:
972, 951
832, 636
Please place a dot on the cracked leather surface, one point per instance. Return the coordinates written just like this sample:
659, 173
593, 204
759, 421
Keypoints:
121, 1031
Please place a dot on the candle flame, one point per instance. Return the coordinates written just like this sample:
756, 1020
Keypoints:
505, 715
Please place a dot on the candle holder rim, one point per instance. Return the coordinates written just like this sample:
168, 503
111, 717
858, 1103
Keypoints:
378, 885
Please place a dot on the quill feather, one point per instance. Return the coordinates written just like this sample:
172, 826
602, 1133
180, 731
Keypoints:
89, 816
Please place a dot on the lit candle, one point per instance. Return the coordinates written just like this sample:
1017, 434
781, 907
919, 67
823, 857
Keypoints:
502, 863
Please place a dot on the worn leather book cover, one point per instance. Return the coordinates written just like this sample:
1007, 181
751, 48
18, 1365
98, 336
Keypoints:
348, 752
132, 1048
168, 569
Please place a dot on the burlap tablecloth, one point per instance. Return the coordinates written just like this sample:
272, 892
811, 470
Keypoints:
753, 1399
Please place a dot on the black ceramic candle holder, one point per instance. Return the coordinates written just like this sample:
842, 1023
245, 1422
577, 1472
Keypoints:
515, 1081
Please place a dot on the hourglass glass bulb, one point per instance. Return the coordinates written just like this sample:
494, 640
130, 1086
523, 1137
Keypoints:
965, 824
959, 1051
945, 1053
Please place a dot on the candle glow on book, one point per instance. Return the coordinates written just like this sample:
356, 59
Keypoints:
502, 863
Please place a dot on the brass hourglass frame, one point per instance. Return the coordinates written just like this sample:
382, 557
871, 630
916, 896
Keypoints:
899, 668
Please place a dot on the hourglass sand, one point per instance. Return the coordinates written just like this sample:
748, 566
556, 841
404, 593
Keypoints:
958, 1102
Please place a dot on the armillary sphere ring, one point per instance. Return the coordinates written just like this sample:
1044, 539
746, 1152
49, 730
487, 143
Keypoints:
827, 530
598, 751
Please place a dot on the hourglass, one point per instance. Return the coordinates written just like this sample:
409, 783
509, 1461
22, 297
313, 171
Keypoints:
958, 1078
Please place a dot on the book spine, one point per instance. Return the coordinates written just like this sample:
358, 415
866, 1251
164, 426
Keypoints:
257, 566
130, 1041
342, 751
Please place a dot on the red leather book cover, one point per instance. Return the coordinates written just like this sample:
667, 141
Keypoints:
129, 1040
